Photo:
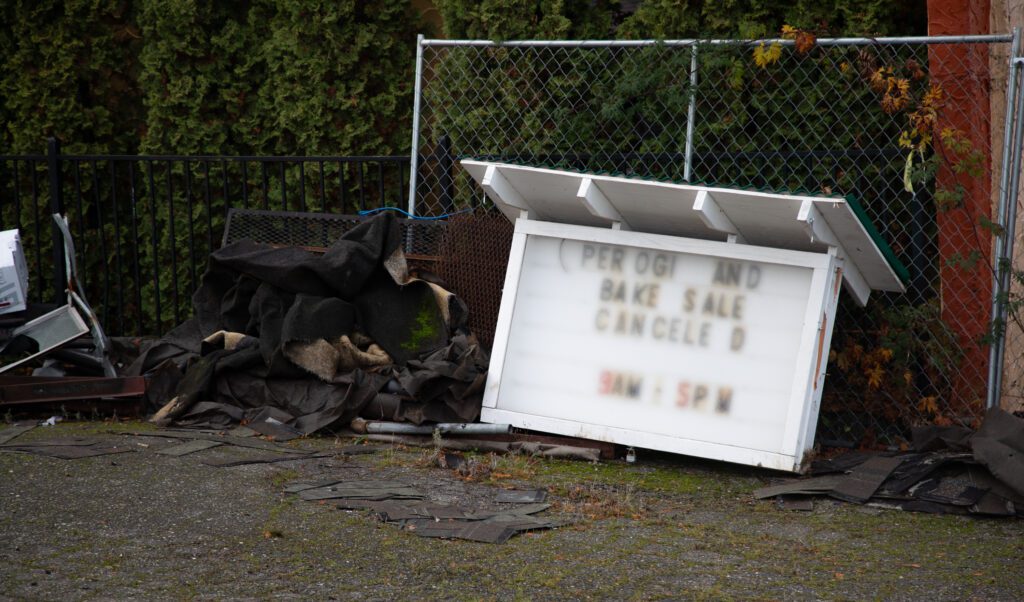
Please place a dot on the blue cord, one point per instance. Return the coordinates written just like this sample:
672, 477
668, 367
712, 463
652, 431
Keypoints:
410, 216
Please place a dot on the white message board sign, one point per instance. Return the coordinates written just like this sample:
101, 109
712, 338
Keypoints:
698, 347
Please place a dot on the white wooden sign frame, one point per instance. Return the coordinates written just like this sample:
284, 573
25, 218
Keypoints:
808, 373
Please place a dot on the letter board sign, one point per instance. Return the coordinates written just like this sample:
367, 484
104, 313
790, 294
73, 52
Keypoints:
702, 347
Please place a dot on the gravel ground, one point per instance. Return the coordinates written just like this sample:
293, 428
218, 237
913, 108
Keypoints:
142, 525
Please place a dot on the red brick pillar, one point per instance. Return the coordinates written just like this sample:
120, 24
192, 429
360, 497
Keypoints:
966, 292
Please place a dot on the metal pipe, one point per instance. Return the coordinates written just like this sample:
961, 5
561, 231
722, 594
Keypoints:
1011, 91
155, 240
691, 115
1011, 219
116, 213
56, 206
996, 348
415, 146
233, 158
374, 427
966, 39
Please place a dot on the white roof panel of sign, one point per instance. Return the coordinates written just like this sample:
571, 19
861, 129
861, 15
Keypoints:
785, 221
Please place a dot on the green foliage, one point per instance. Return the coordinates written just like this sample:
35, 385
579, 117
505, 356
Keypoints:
425, 328
763, 18
279, 77
189, 75
69, 72
905, 360
317, 77
965, 262
526, 19
267, 78
551, 105
198, 76
341, 77
672, 19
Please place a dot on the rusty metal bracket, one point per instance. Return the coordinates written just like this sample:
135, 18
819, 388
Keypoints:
41, 389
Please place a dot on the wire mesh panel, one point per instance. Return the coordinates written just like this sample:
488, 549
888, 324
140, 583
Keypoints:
913, 129
421, 239
473, 255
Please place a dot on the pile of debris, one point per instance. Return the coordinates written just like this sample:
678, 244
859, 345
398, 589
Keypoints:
950, 470
78, 359
289, 341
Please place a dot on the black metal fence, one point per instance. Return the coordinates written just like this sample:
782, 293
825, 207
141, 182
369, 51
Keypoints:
144, 225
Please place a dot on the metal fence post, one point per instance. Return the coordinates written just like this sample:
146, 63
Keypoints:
1000, 259
691, 113
53, 162
1012, 151
415, 147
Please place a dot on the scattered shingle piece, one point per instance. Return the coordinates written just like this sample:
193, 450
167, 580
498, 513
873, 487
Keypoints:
529, 496
264, 459
189, 447
69, 452
363, 490
864, 481
13, 432
816, 485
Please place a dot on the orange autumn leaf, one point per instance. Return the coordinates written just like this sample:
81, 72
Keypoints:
805, 42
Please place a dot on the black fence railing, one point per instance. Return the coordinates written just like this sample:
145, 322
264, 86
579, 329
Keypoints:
144, 225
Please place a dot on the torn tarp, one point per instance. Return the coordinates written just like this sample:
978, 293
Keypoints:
318, 338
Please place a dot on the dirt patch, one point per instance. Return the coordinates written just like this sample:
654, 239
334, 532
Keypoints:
145, 525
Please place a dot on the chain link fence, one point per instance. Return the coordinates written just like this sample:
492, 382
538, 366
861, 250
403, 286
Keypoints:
914, 128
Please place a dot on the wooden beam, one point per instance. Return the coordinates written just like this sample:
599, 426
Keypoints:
815, 225
598, 204
714, 218
818, 230
501, 191
855, 282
